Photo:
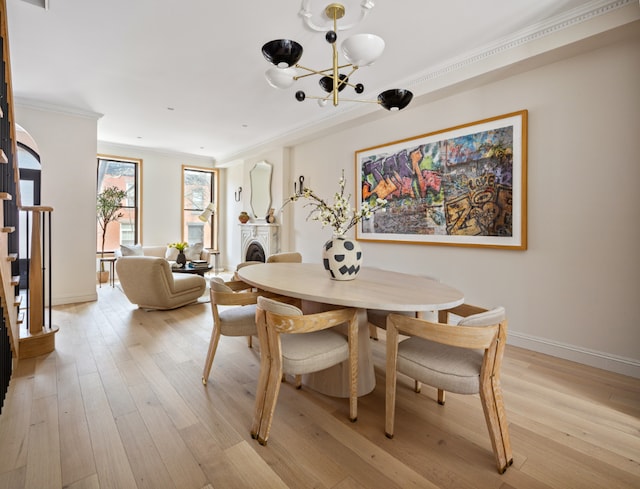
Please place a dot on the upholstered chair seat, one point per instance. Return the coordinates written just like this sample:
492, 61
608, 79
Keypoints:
450, 368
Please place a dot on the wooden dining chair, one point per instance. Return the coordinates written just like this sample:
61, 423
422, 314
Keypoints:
288, 257
244, 264
233, 321
295, 343
465, 358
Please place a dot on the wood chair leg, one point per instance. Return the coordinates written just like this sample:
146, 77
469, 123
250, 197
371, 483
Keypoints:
441, 395
265, 365
494, 413
298, 381
417, 386
270, 401
213, 346
391, 376
353, 368
250, 341
272, 391
373, 332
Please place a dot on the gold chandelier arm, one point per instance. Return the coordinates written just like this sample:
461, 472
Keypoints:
336, 73
342, 82
318, 72
344, 99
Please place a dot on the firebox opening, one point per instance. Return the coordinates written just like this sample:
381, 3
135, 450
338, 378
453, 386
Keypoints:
255, 252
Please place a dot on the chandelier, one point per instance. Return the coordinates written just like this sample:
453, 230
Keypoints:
359, 50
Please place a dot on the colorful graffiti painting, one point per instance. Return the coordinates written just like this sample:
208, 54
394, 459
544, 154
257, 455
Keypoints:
460, 186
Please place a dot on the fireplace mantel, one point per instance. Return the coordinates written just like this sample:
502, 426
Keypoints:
263, 234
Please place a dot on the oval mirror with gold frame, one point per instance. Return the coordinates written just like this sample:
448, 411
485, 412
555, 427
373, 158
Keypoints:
260, 176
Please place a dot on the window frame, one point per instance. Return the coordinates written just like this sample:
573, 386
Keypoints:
137, 207
214, 221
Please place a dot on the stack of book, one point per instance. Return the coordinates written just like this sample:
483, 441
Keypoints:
199, 264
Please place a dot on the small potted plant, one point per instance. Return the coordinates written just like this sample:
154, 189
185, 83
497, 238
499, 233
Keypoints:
108, 210
181, 260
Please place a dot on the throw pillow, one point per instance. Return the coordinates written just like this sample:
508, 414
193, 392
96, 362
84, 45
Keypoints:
194, 251
135, 250
171, 254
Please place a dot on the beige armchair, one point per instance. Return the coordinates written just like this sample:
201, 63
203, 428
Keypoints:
148, 282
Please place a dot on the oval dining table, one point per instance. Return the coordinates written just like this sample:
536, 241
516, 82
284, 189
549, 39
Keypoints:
373, 288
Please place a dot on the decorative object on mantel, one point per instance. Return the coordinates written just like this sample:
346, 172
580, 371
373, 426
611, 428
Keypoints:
271, 218
244, 217
341, 256
359, 50
181, 260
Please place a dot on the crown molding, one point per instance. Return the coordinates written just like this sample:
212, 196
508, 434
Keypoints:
60, 109
472, 60
579, 15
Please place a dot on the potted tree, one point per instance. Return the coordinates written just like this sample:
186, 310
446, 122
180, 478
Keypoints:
108, 210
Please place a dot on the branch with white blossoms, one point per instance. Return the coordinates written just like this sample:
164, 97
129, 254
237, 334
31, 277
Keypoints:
339, 216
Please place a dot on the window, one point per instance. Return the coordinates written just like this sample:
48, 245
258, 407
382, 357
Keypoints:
123, 173
199, 188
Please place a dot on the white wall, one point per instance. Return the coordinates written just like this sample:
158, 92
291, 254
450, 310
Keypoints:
67, 144
572, 292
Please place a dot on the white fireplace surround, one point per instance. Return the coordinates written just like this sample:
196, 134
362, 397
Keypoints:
262, 233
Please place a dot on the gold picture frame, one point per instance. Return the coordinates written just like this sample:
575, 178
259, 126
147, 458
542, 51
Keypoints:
461, 186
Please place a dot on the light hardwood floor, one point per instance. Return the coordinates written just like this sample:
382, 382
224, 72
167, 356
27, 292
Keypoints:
120, 404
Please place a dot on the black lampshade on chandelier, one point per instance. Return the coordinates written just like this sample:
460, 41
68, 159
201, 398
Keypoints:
359, 50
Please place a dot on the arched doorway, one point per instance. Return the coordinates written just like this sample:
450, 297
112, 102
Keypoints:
30, 179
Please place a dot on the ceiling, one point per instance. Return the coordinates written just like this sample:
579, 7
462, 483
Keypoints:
188, 76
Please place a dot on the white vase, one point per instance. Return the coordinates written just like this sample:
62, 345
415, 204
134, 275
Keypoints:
342, 258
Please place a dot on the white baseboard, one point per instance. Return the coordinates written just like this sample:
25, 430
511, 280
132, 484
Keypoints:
60, 300
605, 361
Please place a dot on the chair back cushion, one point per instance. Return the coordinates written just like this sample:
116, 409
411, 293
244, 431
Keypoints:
276, 307
291, 257
218, 285
193, 251
171, 253
493, 316
131, 250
